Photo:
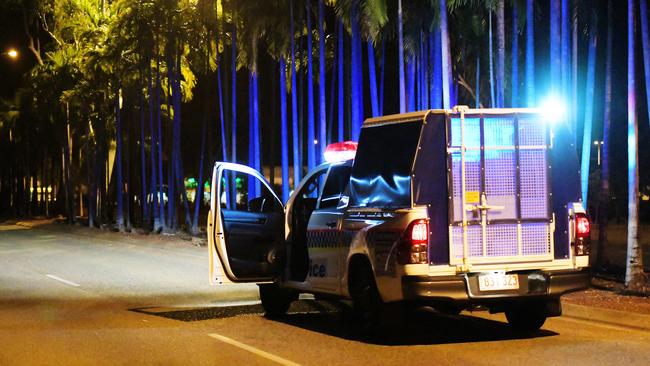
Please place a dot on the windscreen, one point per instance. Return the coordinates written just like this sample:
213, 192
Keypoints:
381, 174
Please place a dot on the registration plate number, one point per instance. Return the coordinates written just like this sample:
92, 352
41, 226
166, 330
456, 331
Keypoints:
497, 281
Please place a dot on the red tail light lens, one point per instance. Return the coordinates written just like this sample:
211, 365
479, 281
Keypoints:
583, 234
415, 243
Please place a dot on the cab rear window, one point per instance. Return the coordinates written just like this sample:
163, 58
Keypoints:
381, 174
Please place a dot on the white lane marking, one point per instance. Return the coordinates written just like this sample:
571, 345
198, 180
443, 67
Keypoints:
596, 323
252, 349
63, 280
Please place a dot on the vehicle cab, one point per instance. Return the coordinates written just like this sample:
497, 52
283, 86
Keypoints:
453, 209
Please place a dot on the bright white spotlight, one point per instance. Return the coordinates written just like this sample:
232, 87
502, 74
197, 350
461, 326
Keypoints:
554, 109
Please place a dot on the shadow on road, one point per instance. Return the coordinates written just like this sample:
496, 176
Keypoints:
421, 328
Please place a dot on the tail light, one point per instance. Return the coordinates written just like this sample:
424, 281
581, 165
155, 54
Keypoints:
583, 234
415, 243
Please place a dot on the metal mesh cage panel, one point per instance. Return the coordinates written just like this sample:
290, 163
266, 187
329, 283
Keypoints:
535, 239
472, 132
501, 183
499, 132
501, 240
506, 163
474, 241
534, 185
532, 132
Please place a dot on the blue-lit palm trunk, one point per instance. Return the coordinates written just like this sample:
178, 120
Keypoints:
159, 142
356, 74
283, 130
514, 96
555, 71
446, 57
436, 73
645, 43
603, 197
400, 58
564, 51
119, 185
634, 276
322, 120
589, 110
143, 162
340, 70
372, 79
530, 53
233, 108
297, 163
501, 53
311, 147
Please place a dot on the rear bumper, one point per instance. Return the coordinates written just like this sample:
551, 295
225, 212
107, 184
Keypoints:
464, 288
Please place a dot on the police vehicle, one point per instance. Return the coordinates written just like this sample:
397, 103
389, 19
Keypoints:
454, 209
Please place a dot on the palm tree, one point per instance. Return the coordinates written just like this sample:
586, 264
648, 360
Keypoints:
322, 120
400, 58
501, 52
514, 92
555, 42
603, 197
634, 276
311, 148
530, 53
589, 108
645, 43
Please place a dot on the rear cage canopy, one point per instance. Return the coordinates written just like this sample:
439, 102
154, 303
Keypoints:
493, 166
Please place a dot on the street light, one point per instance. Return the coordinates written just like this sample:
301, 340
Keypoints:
12, 53
599, 145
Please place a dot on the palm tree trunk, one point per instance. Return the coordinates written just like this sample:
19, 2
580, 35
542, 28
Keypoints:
119, 185
645, 43
143, 164
603, 197
410, 83
283, 130
356, 79
400, 58
382, 77
514, 97
478, 80
634, 276
436, 73
297, 165
159, 141
574, 67
491, 56
589, 112
555, 42
322, 121
501, 52
154, 207
311, 148
233, 108
372, 78
565, 49
340, 76
530, 53
446, 57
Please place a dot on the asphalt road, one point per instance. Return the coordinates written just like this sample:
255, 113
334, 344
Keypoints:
67, 299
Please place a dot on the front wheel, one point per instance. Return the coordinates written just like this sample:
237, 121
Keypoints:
275, 300
527, 317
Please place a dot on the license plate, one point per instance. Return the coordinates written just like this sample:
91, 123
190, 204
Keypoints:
496, 281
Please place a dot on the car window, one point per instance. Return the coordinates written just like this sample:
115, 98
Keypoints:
245, 192
336, 182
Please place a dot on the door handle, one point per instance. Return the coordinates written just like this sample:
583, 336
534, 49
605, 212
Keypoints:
331, 224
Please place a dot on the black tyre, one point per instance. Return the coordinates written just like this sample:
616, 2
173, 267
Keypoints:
275, 300
367, 303
527, 317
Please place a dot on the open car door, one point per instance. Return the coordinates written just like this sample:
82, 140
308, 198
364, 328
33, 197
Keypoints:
245, 226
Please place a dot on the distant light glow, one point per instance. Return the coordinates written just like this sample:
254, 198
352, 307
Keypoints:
315, 142
340, 151
12, 53
554, 109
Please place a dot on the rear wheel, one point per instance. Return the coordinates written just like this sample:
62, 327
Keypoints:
275, 300
527, 316
365, 297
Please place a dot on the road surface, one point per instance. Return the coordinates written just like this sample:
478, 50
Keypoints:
73, 299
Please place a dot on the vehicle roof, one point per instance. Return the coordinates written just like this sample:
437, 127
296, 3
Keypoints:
420, 115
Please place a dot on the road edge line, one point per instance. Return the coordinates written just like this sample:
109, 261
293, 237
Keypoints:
607, 316
253, 350
62, 280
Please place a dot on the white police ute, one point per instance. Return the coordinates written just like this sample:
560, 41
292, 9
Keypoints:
453, 209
